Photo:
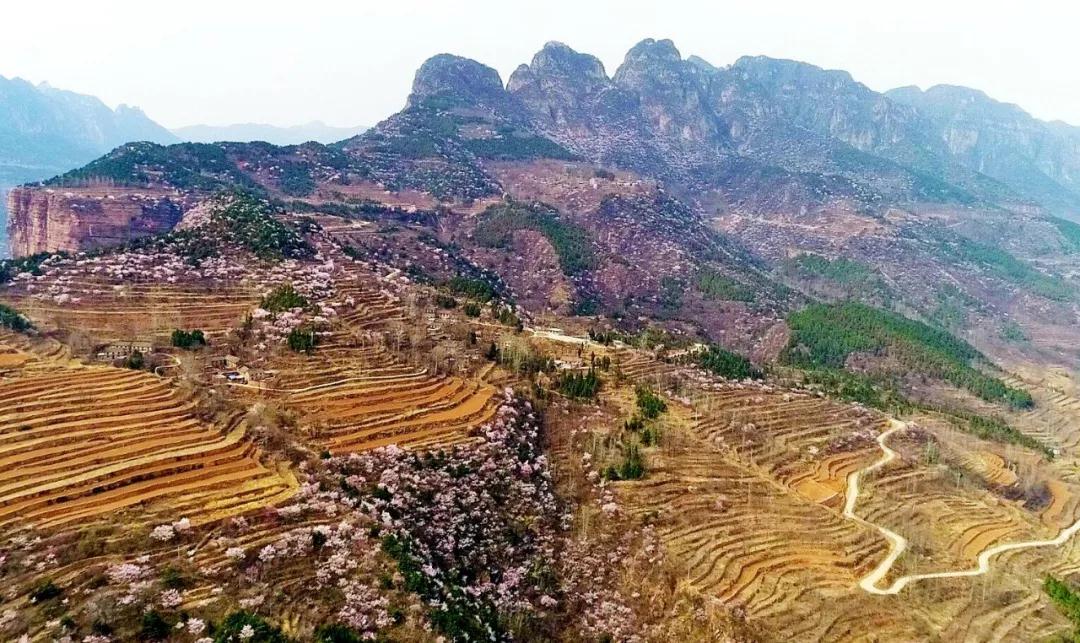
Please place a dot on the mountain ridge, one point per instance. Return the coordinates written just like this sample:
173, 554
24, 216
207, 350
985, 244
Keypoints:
316, 130
761, 135
1002, 140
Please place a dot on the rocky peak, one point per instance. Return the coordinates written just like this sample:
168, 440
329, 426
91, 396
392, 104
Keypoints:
559, 60
459, 80
792, 75
560, 86
652, 64
559, 68
672, 91
654, 50
942, 102
702, 65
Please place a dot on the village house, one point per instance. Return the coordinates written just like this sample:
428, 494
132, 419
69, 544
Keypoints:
227, 362
124, 349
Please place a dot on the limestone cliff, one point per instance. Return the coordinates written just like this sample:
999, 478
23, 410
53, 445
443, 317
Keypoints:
50, 220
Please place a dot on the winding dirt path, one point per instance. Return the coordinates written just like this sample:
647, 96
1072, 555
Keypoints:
897, 543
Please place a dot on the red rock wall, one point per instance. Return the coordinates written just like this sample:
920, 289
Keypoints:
49, 220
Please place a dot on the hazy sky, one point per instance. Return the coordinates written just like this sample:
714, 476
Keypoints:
350, 63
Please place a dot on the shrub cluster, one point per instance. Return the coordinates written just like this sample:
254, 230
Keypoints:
1066, 599
632, 466
13, 319
572, 245
824, 335
282, 298
715, 285
649, 404
722, 362
188, 339
579, 385
302, 339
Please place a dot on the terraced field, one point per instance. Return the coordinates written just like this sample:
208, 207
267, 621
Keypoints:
81, 443
1055, 420
748, 497
996, 598
757, 531
951, 525
356, 398
354, 393
803, 442
101, 307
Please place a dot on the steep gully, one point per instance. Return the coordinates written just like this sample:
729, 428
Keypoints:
897, 543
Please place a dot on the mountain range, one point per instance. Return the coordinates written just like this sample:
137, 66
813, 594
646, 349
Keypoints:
761, 135
45, 131
48, 129
247, 132
761, 123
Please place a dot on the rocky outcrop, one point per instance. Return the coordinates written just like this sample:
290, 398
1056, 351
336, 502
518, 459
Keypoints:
560, 86
569, 97
672, 92
803, 129
459, 82
50, 220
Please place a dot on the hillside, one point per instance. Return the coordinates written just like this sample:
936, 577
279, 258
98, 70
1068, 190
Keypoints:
331, 393
682, 352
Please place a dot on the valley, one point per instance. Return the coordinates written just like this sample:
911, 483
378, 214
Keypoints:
679, 353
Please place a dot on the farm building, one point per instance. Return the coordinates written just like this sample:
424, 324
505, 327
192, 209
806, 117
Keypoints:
120, 350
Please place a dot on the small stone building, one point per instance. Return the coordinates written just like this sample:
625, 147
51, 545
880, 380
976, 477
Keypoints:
227, 362
124, 349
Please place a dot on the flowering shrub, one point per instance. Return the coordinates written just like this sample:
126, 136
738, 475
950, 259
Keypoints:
473, 531
244, 220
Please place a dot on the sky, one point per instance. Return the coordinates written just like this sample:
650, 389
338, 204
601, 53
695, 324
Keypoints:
351, 63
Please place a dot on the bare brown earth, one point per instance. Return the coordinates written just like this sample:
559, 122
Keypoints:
367, 191
572, 187
83, 444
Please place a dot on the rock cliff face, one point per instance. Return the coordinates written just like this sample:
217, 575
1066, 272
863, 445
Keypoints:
753, 128
45, 220
1038, 159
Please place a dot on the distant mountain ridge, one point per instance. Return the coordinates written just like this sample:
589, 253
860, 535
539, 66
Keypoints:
1037, 158
48, 128
760, 134
249, 132
45, 131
